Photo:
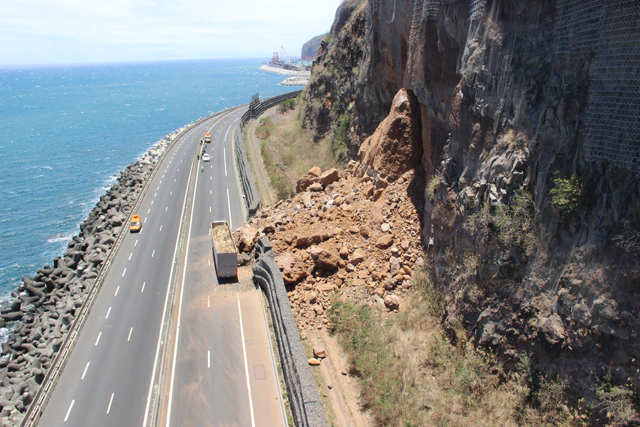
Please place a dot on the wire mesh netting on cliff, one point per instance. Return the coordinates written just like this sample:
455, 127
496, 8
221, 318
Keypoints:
610, 31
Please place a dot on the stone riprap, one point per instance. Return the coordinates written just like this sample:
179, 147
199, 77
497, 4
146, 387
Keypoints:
44, 306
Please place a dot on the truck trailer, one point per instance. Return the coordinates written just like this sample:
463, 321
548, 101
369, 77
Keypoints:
225, 253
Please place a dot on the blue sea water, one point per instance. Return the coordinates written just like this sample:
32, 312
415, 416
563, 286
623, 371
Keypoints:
67, 131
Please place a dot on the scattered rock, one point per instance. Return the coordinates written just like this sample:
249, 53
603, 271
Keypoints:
319, 353
392, 302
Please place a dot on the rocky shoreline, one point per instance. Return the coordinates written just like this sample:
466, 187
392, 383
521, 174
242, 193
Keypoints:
44, 307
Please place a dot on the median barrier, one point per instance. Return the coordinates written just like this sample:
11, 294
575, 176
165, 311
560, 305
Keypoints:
302, 391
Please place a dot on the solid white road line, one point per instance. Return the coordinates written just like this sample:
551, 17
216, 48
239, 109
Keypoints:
66, 417
108, 312
110, 402
166, 302
116, 294
177, 340
85, 370
229, 206
143, 284
224, 151
227, 134
130, 331
98, 340
246, 364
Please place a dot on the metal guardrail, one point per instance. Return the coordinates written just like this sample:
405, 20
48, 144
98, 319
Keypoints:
43, 394
254, 110
301, 387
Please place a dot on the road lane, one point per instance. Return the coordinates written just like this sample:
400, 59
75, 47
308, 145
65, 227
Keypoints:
221, 371
118, 368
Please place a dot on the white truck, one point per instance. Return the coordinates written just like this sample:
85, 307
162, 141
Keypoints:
225, 253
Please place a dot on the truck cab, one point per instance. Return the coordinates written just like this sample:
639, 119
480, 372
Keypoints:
207, 138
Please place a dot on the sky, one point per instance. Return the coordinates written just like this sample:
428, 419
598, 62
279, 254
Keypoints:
100, 31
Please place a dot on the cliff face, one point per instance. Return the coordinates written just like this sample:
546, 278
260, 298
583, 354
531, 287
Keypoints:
530, 145
310, 48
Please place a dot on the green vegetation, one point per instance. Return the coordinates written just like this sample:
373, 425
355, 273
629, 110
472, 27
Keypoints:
411, 375
287, 105
511, 224
289, 151
341, 136
566, 195
616, 402
431, 187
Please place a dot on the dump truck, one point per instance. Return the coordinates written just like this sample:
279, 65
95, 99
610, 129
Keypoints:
207, 138
225, 253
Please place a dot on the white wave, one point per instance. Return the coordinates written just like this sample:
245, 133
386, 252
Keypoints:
62, 237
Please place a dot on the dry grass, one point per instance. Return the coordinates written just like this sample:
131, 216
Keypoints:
289, 151
411, 375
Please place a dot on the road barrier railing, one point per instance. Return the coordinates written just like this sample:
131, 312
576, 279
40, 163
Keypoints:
254, 110
303, 394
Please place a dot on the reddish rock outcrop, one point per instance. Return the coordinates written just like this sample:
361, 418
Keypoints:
396, 146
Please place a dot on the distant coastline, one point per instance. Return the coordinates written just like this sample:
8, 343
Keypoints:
297, 78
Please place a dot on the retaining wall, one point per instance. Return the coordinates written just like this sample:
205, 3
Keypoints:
301, 387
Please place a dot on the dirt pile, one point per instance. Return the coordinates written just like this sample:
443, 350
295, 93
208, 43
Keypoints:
348, 236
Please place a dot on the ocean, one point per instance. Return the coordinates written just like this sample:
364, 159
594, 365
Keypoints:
67, 131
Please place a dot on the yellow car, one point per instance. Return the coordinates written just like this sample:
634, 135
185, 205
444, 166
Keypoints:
136, 224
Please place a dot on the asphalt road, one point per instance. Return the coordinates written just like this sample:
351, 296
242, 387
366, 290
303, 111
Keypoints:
107, 379
222, 372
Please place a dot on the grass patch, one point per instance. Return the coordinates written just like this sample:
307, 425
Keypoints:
289, 151
412, 376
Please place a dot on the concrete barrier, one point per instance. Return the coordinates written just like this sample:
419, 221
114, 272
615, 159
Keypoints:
301, 387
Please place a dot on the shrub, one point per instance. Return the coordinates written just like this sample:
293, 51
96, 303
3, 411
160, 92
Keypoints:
511, 224
431, 187
341, 136
566, 195
286, 105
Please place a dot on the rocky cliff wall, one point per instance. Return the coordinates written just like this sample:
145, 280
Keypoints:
530, 145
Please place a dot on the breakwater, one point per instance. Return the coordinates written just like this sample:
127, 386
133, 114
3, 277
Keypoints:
47, 311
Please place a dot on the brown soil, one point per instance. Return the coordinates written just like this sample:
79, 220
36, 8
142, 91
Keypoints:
342, 400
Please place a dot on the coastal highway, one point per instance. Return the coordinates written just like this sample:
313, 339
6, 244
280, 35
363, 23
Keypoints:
219, 366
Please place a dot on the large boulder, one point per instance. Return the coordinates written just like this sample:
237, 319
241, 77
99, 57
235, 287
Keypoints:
396, 145
325, 257
292, 268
